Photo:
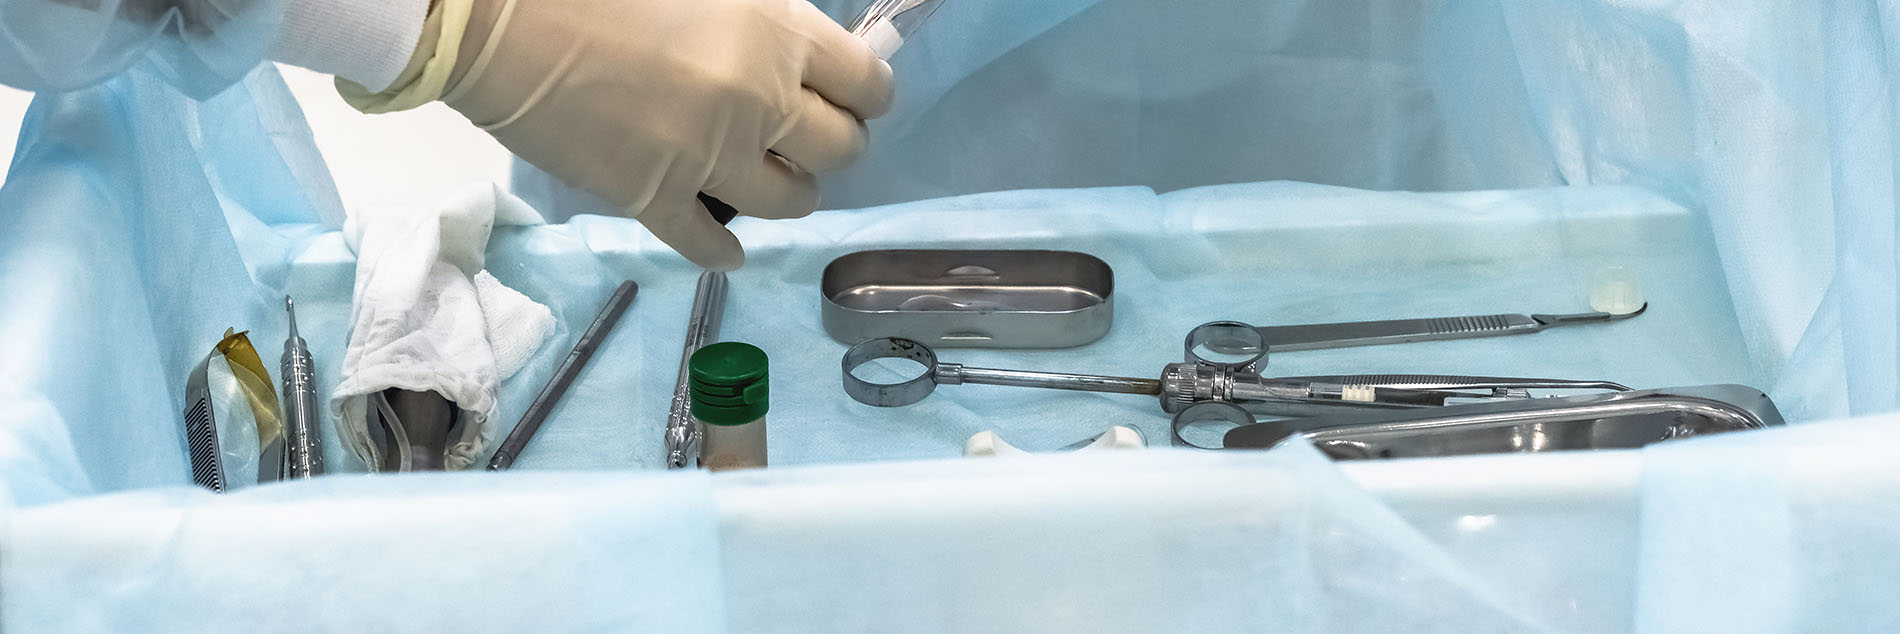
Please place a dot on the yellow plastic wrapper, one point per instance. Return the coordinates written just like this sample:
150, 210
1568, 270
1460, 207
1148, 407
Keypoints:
255, 383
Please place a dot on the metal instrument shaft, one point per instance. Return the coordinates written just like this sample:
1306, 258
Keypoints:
702, 327
303, 457
563, 377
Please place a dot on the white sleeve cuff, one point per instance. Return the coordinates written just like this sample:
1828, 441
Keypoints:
364, 41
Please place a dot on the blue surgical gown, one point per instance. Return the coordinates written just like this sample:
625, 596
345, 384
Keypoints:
199, 46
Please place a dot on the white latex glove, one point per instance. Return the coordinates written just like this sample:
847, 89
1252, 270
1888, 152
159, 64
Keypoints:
646, 103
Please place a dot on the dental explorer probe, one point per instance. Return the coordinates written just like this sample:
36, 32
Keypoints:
702, 327
304, 457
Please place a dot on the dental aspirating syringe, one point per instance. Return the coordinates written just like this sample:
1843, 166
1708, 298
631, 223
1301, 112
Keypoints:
1183, 384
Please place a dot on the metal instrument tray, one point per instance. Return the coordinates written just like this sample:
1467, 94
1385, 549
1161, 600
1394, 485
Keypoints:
969, 298
1619, 420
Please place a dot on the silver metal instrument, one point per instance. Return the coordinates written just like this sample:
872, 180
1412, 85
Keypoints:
1372, 333
303, 457
424, 419
935, 373
1241, 344
900, 18
1620, 420
1245, 345
1184, 384
201, 430
1456, 382
969, 298
702, 327
564, 376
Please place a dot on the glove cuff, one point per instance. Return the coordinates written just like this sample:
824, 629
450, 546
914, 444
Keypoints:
363, 41
425, 76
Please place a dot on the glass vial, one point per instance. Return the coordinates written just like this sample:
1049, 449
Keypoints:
728, 386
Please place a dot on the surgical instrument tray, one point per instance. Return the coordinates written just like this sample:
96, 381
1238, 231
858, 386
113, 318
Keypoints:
1620, 420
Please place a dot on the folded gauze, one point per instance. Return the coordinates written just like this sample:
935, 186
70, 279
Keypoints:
426, 317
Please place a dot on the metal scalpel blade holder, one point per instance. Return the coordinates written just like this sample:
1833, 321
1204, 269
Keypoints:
303, 457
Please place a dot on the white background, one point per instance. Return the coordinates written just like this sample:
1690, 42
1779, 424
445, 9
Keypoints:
411, 158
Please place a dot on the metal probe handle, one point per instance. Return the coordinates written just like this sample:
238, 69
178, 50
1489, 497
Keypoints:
563, 377
1372, 333
303, 458
702, 326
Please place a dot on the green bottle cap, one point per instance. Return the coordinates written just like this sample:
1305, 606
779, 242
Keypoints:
727, 381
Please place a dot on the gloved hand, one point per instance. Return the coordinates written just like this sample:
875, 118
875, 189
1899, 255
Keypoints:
646, 103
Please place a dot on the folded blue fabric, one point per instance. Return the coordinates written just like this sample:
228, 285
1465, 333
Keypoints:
411, 553
1791, 530
1110, 542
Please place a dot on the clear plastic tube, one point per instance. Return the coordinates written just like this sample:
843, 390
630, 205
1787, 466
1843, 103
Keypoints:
887, 23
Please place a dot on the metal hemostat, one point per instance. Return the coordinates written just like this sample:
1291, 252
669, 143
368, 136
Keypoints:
1621, 420
1184, 384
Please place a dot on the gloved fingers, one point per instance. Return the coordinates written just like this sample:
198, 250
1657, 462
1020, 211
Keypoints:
842, 68
768, 188
822, 137
686, 225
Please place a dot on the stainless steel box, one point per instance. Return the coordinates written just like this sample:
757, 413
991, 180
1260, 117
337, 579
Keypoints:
970, 299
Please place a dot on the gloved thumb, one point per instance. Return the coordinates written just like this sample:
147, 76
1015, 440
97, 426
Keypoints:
690, 229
